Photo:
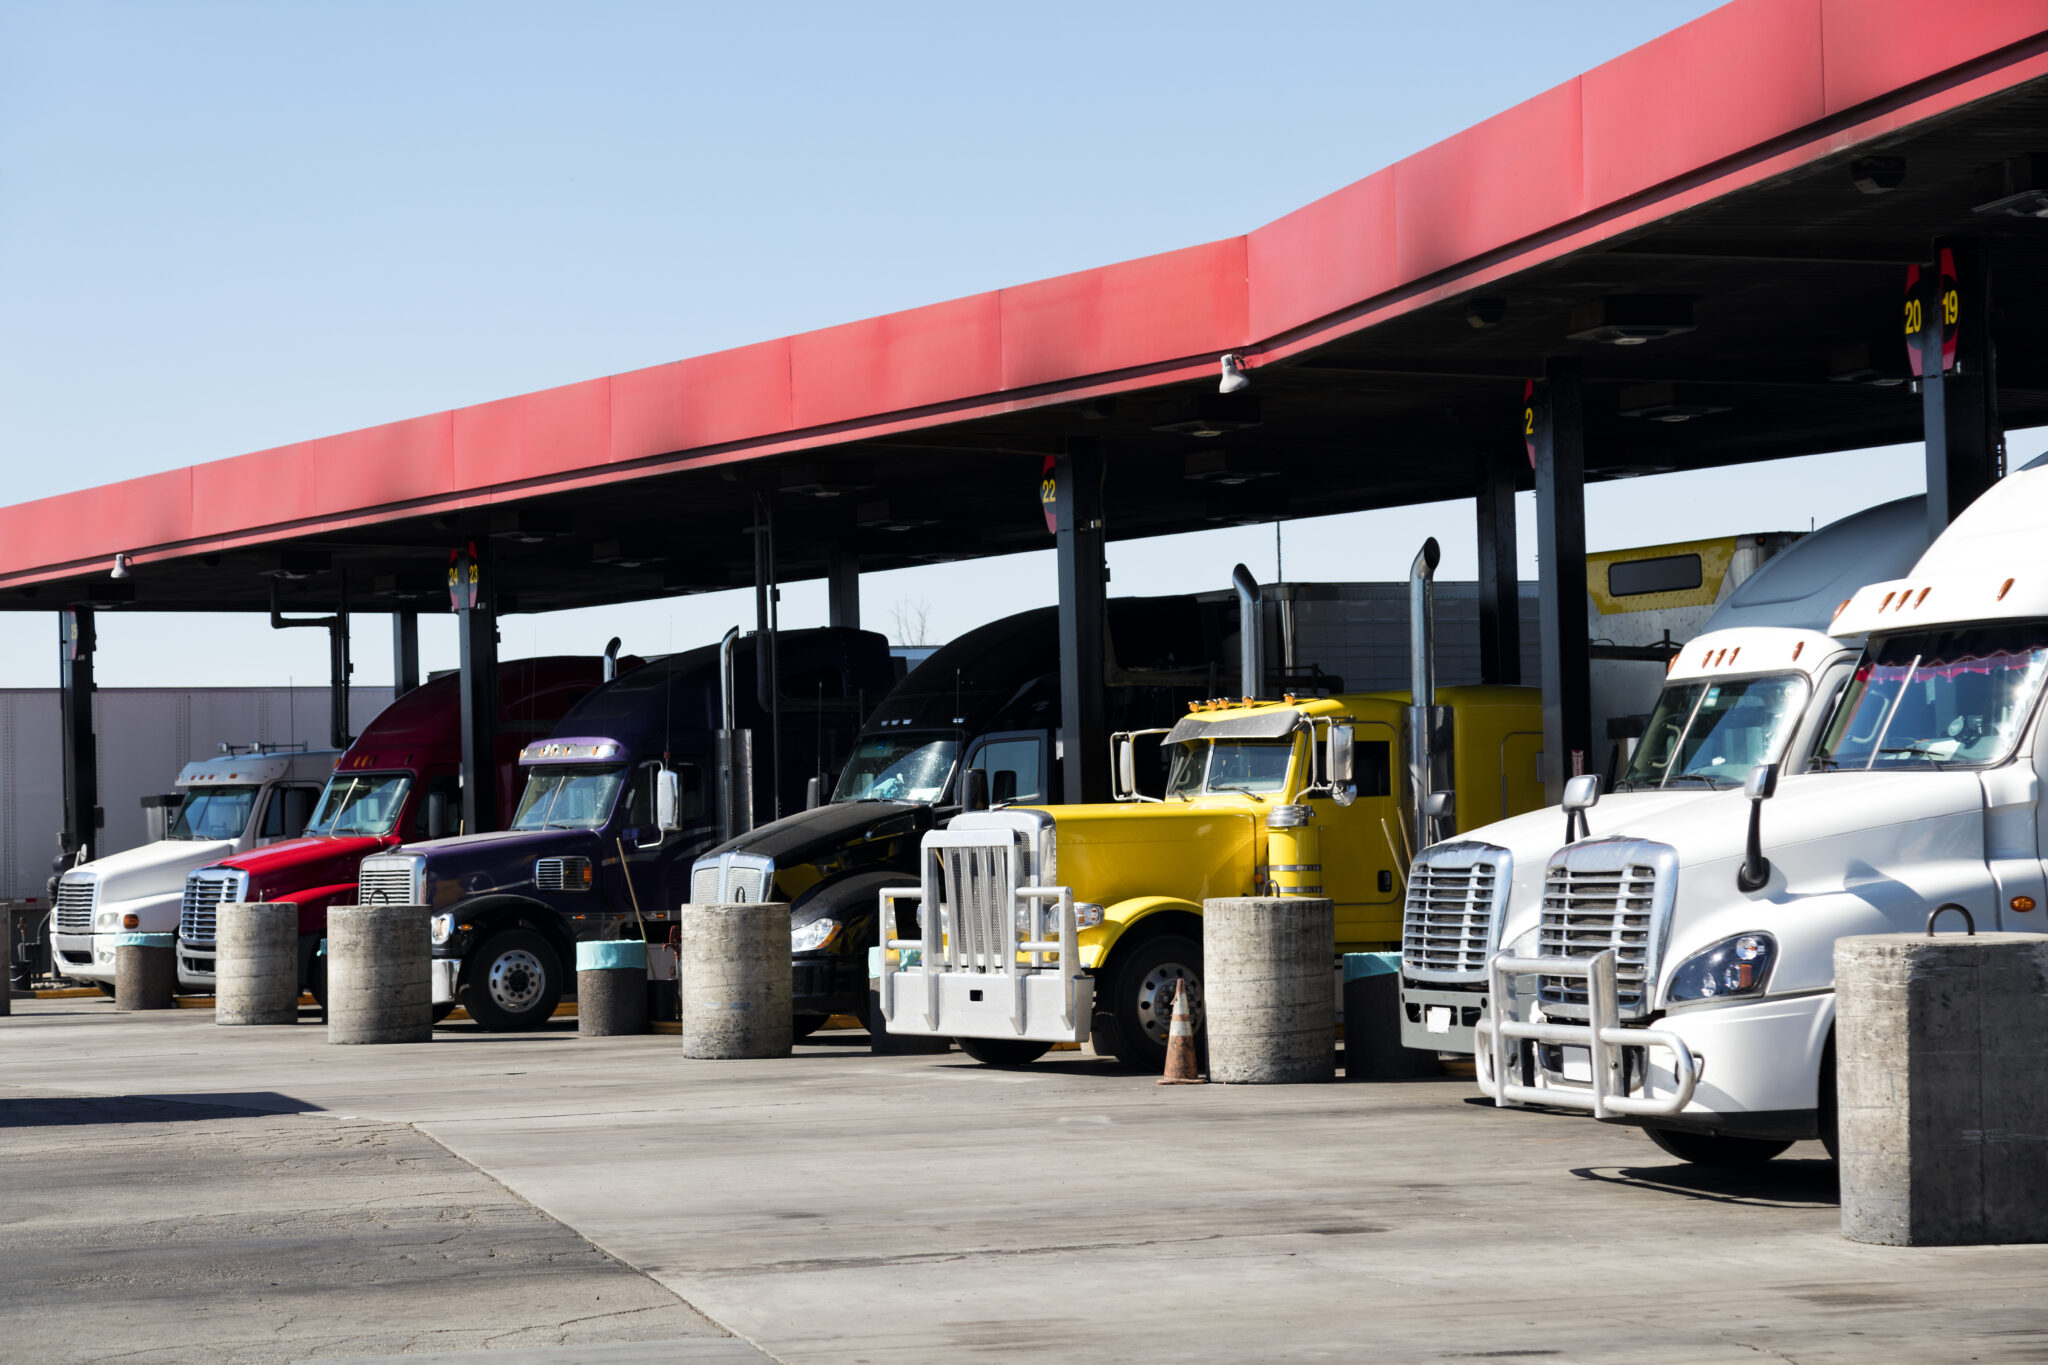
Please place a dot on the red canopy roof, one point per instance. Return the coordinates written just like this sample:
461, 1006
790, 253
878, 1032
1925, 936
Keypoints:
1743, 93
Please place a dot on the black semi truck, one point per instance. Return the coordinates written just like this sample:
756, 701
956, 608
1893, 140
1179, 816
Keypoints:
988, 702
635, 781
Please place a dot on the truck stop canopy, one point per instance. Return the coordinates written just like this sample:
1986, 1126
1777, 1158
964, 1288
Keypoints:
1705, 252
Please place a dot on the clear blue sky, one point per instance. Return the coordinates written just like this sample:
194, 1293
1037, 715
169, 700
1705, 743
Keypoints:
229, 226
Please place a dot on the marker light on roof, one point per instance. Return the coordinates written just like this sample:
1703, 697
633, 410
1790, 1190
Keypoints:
2004, 590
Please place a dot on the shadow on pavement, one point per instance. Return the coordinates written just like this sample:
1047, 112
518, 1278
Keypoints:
1797, 1184
79, 1110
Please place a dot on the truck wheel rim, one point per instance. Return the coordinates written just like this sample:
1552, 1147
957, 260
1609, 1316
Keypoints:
1155, 999
516, 981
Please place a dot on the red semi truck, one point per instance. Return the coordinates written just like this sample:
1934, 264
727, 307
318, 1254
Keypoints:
399, 782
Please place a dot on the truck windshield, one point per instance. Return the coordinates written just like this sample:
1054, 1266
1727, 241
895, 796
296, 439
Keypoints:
1714, 731
1937, 698
898, 768
568, 798
1203, 766
215, 813
360, 803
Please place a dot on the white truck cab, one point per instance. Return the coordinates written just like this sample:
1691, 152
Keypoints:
1754, 686
1682, 974
249, 796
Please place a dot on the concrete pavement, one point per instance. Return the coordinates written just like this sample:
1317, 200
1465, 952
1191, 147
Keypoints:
838, 1207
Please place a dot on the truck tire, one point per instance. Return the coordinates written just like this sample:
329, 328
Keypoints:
1712, 1149
1830, 1115
1003, 1051
105, 989
443, 1010
1141, 999
804, 1025
513, 983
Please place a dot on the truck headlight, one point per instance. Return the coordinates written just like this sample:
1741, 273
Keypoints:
809, 938
443, 927
1732, 967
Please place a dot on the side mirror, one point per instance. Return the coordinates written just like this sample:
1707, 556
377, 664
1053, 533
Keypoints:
668, 800
974, 790
1581, 794
1439, 805
814, 793
1342, 741
440, 816
1126, 766
1762, 782
1760, 786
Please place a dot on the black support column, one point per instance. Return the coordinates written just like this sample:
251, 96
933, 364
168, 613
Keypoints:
1560, 432
1500, 604
474, 599
1084, 726
842, 587
76, 644
405, 652
1959, 399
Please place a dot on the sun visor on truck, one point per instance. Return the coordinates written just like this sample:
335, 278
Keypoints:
1259, 725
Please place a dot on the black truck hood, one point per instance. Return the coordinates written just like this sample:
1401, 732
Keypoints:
813, 833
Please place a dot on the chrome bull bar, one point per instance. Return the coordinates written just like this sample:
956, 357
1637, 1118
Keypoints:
1500, 1057
988, 964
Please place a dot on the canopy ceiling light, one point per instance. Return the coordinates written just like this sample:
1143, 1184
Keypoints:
1206, 415
1631, 319
1663, 402
1878, 174
120, 565
2019, 187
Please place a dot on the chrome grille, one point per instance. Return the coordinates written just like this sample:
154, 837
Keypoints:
975, 885
1450, 923
561, 874
1602, 894
76, 900
732, 877
388, 881
205, 890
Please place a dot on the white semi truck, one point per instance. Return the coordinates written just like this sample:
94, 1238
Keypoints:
1753, 685
249, 796
1681, 975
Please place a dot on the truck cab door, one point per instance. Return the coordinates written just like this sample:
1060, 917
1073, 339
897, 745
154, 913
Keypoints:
657, 860
1362, 864
286, 809
1015, 764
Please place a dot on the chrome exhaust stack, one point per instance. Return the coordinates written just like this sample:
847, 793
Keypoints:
1422, 686
1251, 633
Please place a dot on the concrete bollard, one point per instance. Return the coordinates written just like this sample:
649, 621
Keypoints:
611, 988
145, 971
378, 974
1271, 1015
1372, 1022
736, 980
256, 963
883, 1043
1941, 1078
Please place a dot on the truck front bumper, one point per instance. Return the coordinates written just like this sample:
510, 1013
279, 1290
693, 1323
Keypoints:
1439, 1018
83, 957
828, 983
1748, 1068
195, 966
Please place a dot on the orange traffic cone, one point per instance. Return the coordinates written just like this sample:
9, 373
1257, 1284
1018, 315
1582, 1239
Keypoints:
1180, 1042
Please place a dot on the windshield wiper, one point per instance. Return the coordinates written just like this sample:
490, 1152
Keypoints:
1712, 784
1227, 787
1922, 752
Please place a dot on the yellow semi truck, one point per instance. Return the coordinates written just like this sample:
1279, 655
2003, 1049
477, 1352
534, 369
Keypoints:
1044, 924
